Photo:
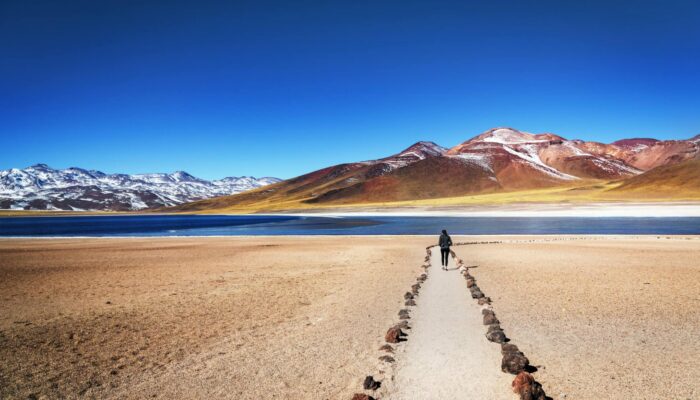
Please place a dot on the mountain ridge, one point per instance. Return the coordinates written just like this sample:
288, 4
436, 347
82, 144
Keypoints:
498, 160
77, 189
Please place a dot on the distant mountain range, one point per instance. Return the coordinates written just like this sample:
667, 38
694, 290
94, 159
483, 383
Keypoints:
498, 160
40, 187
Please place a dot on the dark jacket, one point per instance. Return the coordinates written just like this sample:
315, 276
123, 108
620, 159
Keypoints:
445, 241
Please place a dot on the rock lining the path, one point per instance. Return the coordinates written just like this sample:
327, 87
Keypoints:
387, 348
394, 335
370, 383
525, 386
513, 361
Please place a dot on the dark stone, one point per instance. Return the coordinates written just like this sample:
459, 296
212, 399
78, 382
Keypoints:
490, 319
394, 334
496, 336
514, 362
403, 314
484, 300
525, 386
476, 293
403, 324
470, 283
362, 396
388, 359
407, 296
509, 348
370, 383
387, 348
494, 327
410, 302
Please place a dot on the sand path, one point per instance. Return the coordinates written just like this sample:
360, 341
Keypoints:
447, 355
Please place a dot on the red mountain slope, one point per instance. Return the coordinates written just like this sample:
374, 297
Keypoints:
496, 160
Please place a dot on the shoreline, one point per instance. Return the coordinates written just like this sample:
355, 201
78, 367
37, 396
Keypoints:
679, 209
588, 210
535, 236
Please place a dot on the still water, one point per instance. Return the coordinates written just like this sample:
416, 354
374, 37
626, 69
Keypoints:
219, 225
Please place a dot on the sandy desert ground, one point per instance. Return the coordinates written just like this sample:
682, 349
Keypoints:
303, 317
605, 318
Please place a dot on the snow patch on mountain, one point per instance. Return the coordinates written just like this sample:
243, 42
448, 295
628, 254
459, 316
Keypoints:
529, 154
480, 160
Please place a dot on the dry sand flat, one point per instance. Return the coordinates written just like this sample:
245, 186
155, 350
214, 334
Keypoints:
446, 355
244, 318
303, 318
605, 318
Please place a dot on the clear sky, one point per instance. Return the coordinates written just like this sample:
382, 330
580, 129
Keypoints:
282, 88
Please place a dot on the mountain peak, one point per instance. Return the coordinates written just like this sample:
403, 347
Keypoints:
182, 176
39, 166
426, 148
508, 136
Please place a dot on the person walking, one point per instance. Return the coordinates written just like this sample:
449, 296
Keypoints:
445, 242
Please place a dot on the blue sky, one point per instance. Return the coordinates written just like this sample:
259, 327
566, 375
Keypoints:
282, 88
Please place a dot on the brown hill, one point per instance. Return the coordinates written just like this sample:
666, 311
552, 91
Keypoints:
676, 181
498, 160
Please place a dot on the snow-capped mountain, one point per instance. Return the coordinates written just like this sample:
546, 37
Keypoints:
512, 154
498, 160
40, 187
